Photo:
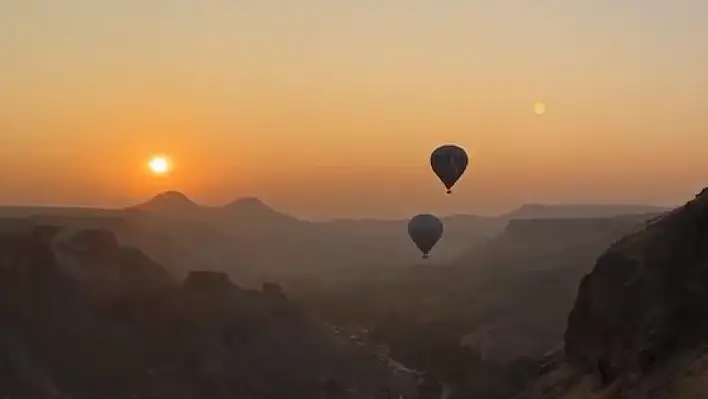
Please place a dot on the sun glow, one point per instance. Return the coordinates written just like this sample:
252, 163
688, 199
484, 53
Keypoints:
160, 165
539, 108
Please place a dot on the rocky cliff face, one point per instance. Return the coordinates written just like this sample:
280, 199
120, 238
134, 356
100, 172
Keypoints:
646, 298
83, 317
640, 318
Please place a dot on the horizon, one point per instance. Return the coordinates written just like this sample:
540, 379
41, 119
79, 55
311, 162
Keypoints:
330, 110
143, 201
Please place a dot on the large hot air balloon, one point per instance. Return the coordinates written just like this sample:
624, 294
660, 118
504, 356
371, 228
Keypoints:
425, 231
449, 162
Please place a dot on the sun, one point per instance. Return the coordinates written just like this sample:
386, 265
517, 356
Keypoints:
539, 108
160, 165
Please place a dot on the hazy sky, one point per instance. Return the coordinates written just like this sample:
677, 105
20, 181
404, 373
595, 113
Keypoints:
326, 107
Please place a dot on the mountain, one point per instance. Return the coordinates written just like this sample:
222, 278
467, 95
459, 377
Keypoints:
251, 207
638, 326
176, 204
84, 317
255, 243
169, 202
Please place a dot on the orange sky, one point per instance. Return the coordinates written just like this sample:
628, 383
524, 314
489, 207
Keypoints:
331, 108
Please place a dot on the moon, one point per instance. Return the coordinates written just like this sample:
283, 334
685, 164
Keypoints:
539, 108
160, 165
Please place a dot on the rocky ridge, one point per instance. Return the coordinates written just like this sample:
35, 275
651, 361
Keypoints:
639, 325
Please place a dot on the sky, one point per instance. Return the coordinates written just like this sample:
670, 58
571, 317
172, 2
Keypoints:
327, 108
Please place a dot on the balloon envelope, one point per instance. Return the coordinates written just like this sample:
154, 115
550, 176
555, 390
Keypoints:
449, 162
425, 231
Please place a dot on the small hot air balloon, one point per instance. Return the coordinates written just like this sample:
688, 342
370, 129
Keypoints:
425, 230
449, 162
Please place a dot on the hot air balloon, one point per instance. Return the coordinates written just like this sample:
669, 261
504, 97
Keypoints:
449, 162
425, 230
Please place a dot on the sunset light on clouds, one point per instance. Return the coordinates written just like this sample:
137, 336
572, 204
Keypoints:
319, 106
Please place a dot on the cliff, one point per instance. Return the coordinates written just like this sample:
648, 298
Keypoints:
640, 319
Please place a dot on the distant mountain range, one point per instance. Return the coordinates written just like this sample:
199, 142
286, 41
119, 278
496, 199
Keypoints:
176, 202
255, 243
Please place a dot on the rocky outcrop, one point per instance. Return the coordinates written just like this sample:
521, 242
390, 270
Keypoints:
208, 281
83, 317
646, 298
97, 259
273, 290
95, 241
640, 317
138, 270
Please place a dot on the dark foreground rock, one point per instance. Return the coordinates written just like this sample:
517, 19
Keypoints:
83, 317
639, 325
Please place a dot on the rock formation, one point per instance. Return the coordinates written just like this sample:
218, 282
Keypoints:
83, 317
640, 319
